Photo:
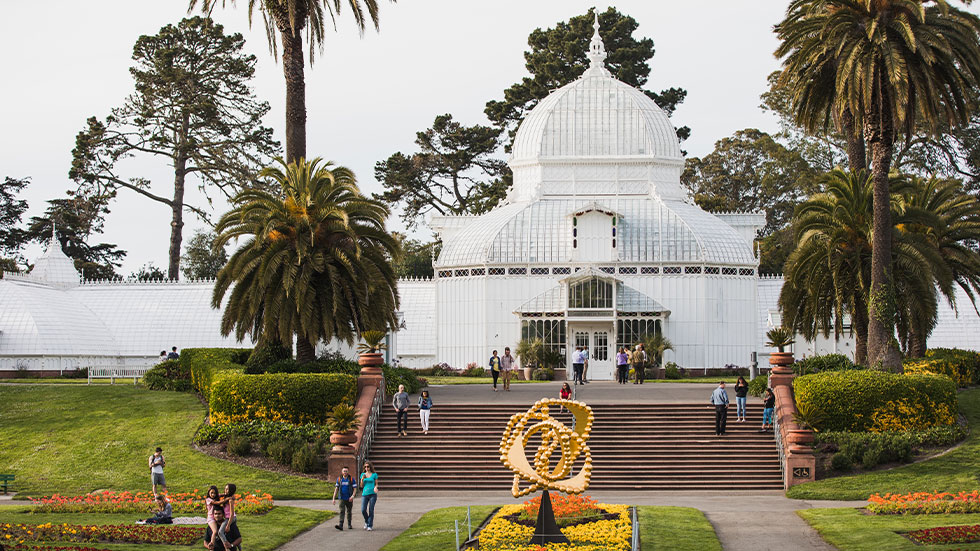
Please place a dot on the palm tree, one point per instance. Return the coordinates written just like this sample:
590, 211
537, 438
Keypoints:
316, 262
288, 19
891, 64
656, 344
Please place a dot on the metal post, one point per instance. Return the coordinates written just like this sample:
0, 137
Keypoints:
636, 531
754, 366
457, 534
469, 525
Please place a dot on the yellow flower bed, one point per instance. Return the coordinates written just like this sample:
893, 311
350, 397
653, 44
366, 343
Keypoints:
602, 535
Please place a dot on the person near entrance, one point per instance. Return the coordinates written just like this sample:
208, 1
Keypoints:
622, 365
719, 399
507, 366
495, 368
639, 364
585, 365
578, 364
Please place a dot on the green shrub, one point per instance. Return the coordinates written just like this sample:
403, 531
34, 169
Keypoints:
840, 462
819, 364
871, 457
758, 386
168, 375
671, 372
437, 370
853, 450
281, 451
265, 355
239, 445
294, 398
77, 373
543, 374
262, 432
395, 376
898, 446
962, 366
208, 364
305, 459
474, 370
870, 400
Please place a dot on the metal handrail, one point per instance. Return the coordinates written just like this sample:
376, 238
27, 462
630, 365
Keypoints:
367, 438
779, 444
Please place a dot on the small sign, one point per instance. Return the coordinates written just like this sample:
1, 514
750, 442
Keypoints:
801, 472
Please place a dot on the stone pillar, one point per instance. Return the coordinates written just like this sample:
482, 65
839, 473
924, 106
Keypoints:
368, 383
799, 463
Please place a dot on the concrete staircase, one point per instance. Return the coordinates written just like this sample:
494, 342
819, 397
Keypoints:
634, 447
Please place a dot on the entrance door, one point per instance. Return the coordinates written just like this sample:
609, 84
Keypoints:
601, 356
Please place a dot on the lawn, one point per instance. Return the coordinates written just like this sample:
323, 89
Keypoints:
259, 533
954, 471
450, 380
685, 528
850, 530
77, 439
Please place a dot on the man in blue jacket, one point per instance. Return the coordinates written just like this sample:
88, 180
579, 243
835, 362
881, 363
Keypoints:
346, 486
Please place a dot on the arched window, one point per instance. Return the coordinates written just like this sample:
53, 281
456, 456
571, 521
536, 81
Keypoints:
590, 293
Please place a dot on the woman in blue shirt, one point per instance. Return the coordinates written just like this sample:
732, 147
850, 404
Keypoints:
425, 407
369, 495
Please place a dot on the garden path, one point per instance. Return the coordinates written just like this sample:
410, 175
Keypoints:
756, 521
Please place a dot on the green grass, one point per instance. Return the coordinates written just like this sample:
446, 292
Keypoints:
60, 381
850, 530
77, 439
676, 528
435, 530
954, 471
259, 533
685, 528
442, 380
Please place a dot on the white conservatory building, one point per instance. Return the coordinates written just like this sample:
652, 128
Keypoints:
596, 244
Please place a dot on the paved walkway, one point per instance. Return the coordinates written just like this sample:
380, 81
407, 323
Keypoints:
749, 521
599, 392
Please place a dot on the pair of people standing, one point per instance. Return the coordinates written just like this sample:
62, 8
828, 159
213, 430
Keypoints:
400, 402
580, 364
502, 366
346, 487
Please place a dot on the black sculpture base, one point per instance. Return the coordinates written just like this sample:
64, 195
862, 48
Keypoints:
546, 529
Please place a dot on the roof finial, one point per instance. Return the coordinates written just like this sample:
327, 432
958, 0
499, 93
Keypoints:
54, 226
597, 50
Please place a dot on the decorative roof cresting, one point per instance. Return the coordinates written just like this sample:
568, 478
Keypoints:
597, 53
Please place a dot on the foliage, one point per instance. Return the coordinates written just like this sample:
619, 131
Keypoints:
543, 374
168, 375
671, 372
295, 398
417, 257
373, 341
826, 362
203, 257
965, 363
945, 535
438, 370
877, 401
305, 459
265, 355
193, 107
108, 501
557, 56
504, 530
258, 430
12, 237
282, 451
49, 532
962, 373
454, 172
316, 252
924, 503
567, 508
655, 345
208, 364
148, 272
841, 462
749, 171
343, 418
77, 218
779, 337
395, 376
239, 445
474, 370
852, 444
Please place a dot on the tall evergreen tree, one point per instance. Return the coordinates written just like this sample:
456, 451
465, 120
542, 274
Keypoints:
12, 209
192, 107
203, 258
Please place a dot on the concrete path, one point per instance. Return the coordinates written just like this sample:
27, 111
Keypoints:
750, 521
599, 392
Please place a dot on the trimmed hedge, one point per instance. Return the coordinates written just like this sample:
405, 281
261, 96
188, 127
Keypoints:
168, 375
258, 430
295, 397
870, 400
206, 364
264, 355
827, 362
962, 366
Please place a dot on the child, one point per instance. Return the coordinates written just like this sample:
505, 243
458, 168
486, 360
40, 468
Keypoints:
228, 502
210, 502
164, 514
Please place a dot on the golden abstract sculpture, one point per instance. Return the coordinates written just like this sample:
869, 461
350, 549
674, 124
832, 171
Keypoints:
554, 436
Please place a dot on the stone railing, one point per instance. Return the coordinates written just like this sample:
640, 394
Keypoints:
795, 451
369, 404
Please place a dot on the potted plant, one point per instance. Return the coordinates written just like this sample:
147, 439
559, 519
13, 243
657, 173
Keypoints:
342, 422
370, 358
529, 351
779, 338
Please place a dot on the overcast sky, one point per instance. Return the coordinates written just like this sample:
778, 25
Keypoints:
366, 96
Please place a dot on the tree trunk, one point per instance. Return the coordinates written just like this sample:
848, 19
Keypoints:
292, 68
859, 322
917, 338
857, 158
305, 350
177, 206
880, 136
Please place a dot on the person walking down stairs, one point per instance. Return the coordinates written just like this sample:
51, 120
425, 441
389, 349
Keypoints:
425, 408
741, 395
400, 403
719, 399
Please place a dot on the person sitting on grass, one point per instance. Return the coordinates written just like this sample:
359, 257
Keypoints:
233, 535
164, 514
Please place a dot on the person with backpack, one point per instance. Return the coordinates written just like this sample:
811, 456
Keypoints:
346, 487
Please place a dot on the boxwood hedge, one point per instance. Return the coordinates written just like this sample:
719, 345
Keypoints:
207, 364
870, 400
292, 397
962, 366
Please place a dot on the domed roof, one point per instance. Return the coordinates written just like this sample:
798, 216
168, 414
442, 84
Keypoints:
54, 267
596, 116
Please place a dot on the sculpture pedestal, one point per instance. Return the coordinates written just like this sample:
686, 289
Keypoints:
546, 529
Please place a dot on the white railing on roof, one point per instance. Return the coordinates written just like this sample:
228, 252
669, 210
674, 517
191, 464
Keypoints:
130, 281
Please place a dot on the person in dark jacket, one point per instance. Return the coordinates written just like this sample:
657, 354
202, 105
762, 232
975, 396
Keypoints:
768, 409
400, 402
495, 368
741, 394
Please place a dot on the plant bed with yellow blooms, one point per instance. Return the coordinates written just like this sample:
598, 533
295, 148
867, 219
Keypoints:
589, 526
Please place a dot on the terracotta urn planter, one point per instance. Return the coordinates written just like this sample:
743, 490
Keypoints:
780, 362
342, 438
800, 437
371, 363
527, 373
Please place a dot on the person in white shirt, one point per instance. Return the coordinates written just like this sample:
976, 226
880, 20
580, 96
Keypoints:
578, 364
157, 463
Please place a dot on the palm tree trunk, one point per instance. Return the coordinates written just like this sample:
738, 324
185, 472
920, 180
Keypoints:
859, 321
857, 158
305, 350
880, 135
293, 69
